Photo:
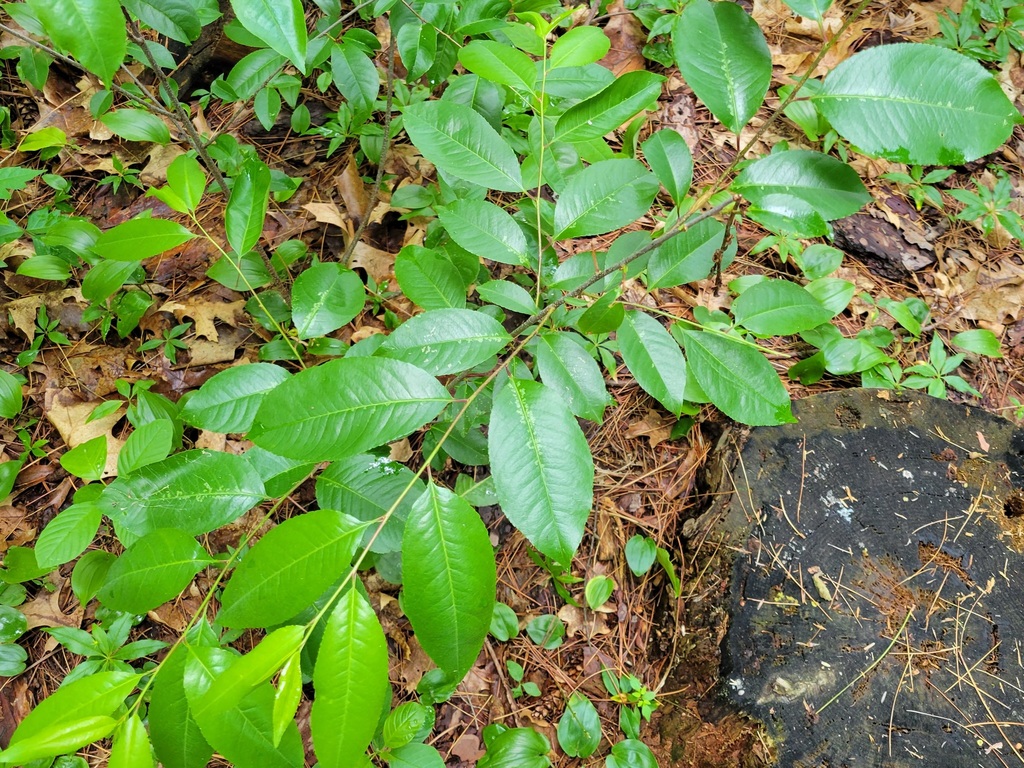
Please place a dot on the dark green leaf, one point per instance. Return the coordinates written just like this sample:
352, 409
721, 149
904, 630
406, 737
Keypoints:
500, 64
93, 31
507, 295
281, 24
356, 77
567, 368
630, 753
688, 256
137, 125
654, 359
603, 197
428, 279
247, 206
228, 401
138, 239
176, 19
668, 154
778, 308
152, 571
176, 737
446, 340
578, 47
485, 230
607, 110
579, 728
325, 297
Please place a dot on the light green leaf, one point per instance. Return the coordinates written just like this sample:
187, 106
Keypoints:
640, 553
148, 444
131, 747
607, 110
654, 359
138, 239
87, 460
288, 695
979, 341
289, 568
461, 143
737, 379
812, 9
686, 257
428, 279
669, 156
69, 736
247, 206
344, 407
176, 736
194, 491
630, 753
228, 401
93, 31
177, 19
578, 47
567, 368
598, 590
500, 64
723, 56
66, 536
137, 125
579, 728
405, 722
415, 756
778, 308
917, 104
446, 341
356, 77
542, 467
325, 297
187, 180
449, 579
351, 681
604, 197
485, 230
152, 571
798, 182
281, 24
507, 295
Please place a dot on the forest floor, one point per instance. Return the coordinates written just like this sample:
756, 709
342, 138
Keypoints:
646, 482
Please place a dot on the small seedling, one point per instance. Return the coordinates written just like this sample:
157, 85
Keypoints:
920, 185
991, 207
516, 672
170, 342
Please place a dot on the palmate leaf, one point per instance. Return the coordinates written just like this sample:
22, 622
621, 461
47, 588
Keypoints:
542, 467
449, 579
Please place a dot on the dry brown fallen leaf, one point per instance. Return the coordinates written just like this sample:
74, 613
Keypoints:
627, 38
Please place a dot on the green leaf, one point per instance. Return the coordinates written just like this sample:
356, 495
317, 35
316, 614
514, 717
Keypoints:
723, 56
69, 736
578, 47
346, 406
446, 341
325, 297
517, 748
547, 631
640, 553
449, 579
66, 536
428, 279
462, 144
247, 206
603, 316
131, 747
366, 487
738, 379
542, 467
87, 460
177, 19
228, 401
186, 178
778, 308
405, 722
93, 31
630, 753
567, 368
686, 257
917, 104
351, 681
669, 156
289, 568
654, 359
288, 695
507, 295
416, 756
94, 696
137, 125
579, 728
281, 24
598, 590
13, 624
356, 77
485, 230
504, 623
798, 182
152, 571
138, 239
148, 444
611, 107
665, 560
176, 736
500, 64
194, 491
604, 197
812, 9
979, 341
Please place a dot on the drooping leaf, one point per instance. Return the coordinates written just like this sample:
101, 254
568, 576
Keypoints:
461, 143
722, 54
351, 682
289, 568
917, 104
228, 401
485, 230
247, 206
542, 467
669, 156
446, 340
138, 239
185, 176
569, 370
93, 31
603, 197
654, 359
152, 571
449, 579
610, 108
778, 308
688, 256
325, 297
346, 406
287, 696
281, 24
739, 380
194, 491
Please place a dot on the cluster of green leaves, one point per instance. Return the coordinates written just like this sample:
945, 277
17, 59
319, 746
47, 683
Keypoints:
529, 120
987, 30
